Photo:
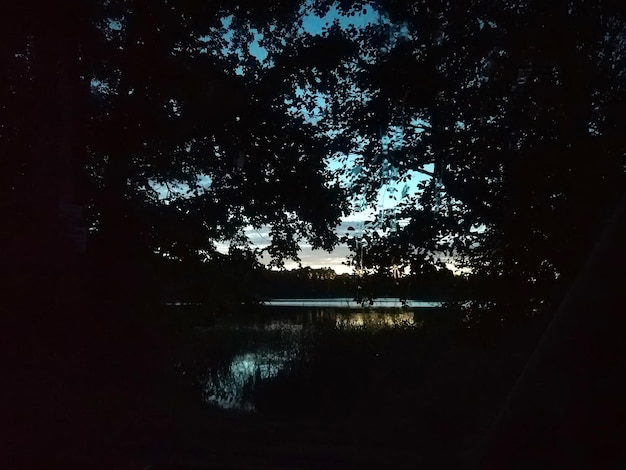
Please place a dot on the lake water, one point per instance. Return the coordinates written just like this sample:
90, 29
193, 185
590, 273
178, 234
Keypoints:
347, 302
319, 352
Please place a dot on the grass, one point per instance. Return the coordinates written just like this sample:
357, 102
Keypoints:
338, 369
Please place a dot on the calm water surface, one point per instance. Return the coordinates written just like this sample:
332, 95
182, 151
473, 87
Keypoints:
346, 302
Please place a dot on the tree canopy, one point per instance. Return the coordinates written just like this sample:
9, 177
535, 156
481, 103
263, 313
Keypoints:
174, 125
154, 126
189, 105
515, 107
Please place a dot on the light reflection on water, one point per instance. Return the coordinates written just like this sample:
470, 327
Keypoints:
374, 320
232, 388
232, 385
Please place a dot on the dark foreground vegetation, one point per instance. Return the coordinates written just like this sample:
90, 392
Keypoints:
115, 391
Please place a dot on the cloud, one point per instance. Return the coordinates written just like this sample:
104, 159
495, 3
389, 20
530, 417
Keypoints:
309, 257
321, 259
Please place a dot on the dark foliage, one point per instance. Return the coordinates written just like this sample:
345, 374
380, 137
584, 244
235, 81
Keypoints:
514, 105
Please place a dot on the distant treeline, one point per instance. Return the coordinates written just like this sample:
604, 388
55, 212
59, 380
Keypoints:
307, 282
207, 284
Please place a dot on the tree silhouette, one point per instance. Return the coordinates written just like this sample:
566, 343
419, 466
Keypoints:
514, 106
156, 123
173, 108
